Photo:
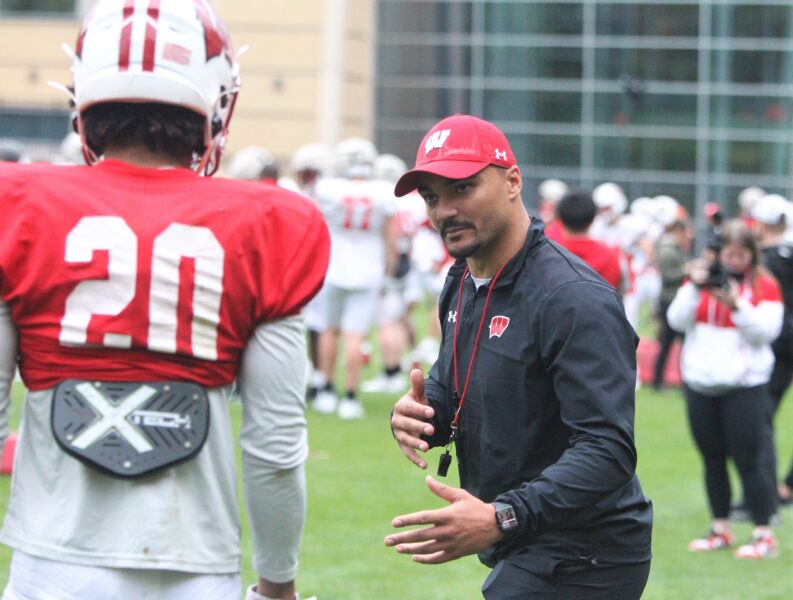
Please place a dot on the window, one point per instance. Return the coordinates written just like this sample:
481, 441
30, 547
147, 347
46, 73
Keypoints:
34, 125
755, 112
752, 21
23, 7
424, 102
541, 107
749, 157
433, 60
641, 153
751, 66
648, 19
425, 17
646, 64
549, 150
533, 62
644, 108
534, 18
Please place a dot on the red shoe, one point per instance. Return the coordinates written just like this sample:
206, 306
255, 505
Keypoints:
761, 546
712, 541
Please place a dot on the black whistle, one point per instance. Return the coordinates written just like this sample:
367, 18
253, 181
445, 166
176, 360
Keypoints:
443, 464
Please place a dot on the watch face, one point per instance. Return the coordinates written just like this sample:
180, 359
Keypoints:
505, 518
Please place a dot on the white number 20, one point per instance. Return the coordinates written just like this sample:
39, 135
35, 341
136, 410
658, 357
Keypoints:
112, 295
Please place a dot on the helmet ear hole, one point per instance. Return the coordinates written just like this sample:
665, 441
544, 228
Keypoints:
224, 99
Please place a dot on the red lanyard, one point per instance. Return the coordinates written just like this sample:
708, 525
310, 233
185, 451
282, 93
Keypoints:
457, 394
446, 458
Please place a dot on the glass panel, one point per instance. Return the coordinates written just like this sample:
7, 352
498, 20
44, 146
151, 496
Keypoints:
648, 19
441, 60
751, 112
534, 18
550, 150
752, 21
646, 109
425, 17
511, 61
426, 102
542, 107
749, 157
655, 154
751, 66
402, 142
643, 64
37, 6
44, 125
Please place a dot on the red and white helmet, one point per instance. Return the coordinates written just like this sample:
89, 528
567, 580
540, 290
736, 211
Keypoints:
166, 51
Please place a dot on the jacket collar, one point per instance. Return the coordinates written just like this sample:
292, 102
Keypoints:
535, 235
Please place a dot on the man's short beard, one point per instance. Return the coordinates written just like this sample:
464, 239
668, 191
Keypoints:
465, 251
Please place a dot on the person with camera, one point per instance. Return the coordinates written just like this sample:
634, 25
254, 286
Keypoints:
730, 311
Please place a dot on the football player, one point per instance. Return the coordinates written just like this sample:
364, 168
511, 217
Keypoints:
134, 291
358, 211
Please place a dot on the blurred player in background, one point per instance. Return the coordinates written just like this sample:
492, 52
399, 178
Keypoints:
134, 292
358, 211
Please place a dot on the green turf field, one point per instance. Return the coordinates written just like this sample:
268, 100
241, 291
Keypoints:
358, 480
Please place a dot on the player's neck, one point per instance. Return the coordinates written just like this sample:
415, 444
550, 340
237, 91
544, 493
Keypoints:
142, 157
575, 235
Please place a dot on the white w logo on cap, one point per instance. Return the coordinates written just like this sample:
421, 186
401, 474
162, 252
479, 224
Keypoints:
436, 140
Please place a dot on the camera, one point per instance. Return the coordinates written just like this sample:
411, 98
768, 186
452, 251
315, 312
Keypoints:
717, 276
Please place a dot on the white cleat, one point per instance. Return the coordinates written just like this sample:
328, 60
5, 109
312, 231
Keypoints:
325, 402
350, 410
385, 384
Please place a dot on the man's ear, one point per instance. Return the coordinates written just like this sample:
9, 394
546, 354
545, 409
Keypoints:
514, 182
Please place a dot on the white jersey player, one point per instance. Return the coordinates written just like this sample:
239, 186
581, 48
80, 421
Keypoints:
358, 214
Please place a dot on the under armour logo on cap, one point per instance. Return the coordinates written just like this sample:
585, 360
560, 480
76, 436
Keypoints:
501, 154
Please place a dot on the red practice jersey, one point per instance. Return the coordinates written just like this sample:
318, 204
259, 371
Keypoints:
121, 273
604, 259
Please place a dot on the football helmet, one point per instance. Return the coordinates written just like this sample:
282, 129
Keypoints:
172, 52
610, 196
310, 157
389, 167
667, 210
253, 164
552, 190
771, 209
356, 157
748, 197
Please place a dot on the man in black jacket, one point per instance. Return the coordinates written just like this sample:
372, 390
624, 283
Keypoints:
534, 386
770, 216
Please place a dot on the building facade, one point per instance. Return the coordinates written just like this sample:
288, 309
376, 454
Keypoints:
690, 99
307, 74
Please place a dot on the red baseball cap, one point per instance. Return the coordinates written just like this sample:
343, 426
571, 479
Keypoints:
456, 148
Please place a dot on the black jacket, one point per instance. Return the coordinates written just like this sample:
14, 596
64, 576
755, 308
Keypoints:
547, 423
779, 260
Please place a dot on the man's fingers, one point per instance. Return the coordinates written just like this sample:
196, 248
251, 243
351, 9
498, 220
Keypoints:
428, 547
417, 385
409, 407
413, 457
448, 493
434, 559
422, 517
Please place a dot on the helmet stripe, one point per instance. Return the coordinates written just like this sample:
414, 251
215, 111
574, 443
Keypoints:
150, 43
126, 35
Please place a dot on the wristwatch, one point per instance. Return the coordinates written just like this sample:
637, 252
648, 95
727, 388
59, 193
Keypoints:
506, 520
